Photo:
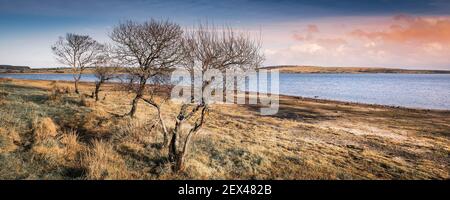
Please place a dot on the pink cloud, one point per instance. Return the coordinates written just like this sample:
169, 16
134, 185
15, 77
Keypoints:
408, 29
332, 42
298, 36
307, 34
312, 28
419, 42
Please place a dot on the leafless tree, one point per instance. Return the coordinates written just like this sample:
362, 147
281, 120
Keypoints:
78, 52
208, 48
105, 70
147, 49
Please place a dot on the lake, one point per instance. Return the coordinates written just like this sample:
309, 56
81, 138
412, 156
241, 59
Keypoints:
429, 91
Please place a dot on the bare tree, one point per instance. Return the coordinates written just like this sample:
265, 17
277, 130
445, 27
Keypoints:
208, 48
147, 49
105, 70
78, 52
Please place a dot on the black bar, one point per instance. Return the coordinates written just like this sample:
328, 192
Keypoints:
278, 189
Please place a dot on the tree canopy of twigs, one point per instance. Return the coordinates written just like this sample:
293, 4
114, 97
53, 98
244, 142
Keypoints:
78, 52
147, 49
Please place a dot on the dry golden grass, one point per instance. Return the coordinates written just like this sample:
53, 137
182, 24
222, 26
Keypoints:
44, 128
60, 153
9, 140
3, 96
50, 151
6, 80
86, 102
72, 148
102, 162
57, 92
307, 139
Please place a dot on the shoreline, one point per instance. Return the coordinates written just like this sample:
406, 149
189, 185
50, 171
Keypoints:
351, 70
310, 99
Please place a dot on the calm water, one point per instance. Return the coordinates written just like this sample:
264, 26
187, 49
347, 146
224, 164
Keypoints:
430, 91
409, 90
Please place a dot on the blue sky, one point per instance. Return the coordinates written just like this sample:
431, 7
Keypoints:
29, 27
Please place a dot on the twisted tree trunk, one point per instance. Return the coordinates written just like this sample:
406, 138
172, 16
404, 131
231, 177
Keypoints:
161, 121
176, 156
76, 87
77, 78
139, 95
132, 112
97, 89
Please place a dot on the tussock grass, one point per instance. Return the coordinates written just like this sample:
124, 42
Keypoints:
9, 140
72, 148
102, 162
44, 128
49, 151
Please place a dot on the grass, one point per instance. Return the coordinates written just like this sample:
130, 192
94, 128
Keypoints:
103, 162
43, 129
51, 133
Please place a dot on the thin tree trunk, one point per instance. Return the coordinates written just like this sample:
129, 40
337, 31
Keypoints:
132, 112
173, 147
76, 87
139, 94
179, 165
163, 124
97, 89
192, 87
77, 78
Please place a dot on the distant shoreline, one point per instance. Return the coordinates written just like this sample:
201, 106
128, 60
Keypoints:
350, 70
291, 69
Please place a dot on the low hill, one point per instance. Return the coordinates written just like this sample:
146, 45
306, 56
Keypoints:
352, 70
283, 69
11, 68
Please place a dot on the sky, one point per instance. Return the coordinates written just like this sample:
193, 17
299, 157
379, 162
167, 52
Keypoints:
362, 33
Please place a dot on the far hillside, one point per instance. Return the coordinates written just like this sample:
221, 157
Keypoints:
11, 68
283, 69
353, 70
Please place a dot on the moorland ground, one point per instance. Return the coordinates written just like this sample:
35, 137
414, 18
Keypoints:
48, 132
